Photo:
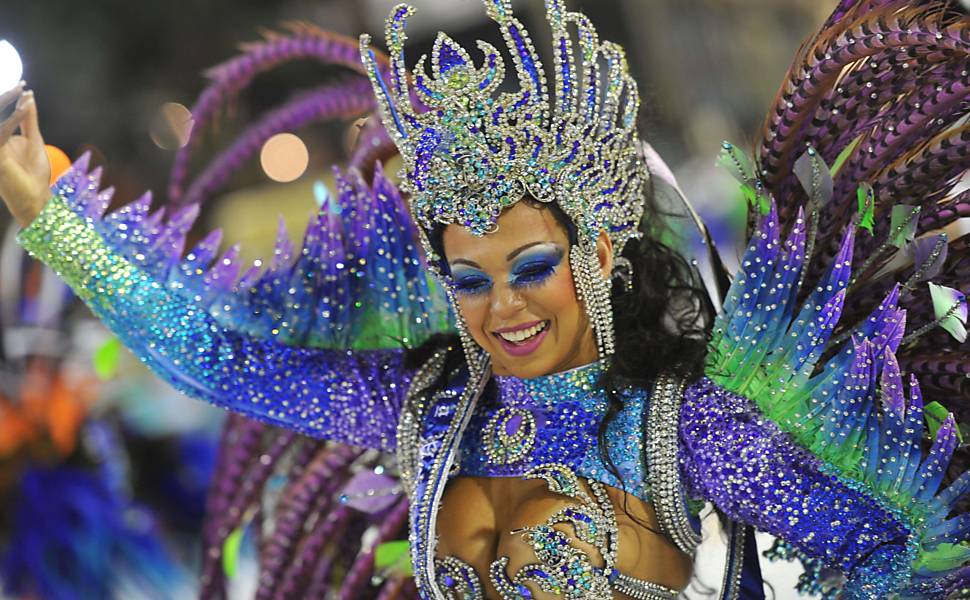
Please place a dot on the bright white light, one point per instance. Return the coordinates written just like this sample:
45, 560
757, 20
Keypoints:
11, 67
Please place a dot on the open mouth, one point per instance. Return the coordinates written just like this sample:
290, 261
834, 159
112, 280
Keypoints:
524, 336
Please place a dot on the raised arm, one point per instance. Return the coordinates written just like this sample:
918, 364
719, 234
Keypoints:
275, 344
348, 396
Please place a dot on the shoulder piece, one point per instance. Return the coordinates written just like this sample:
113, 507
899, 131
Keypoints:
844, 399
856, 176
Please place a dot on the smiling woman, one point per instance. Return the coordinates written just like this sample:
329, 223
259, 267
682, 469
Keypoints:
557, 438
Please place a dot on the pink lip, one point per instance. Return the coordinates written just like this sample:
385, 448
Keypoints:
523, 349
519, 327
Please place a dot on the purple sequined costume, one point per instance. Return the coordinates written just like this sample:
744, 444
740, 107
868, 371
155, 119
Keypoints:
729, 452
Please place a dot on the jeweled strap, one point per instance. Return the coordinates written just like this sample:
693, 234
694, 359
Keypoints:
427, 501
409, 423
640, 589
663, 468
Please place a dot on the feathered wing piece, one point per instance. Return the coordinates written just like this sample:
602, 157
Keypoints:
330, 293
855, 178
358, 282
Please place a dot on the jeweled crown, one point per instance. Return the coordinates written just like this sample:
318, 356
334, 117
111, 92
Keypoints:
470, 151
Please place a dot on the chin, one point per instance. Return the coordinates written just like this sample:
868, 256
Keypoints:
535, 364
526, 369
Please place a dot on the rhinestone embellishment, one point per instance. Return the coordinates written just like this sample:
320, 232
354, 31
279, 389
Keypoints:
510, 435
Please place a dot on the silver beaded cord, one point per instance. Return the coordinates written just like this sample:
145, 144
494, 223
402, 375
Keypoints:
733, 568
663, 469
412, 415
643, 590
475, 355
593, 290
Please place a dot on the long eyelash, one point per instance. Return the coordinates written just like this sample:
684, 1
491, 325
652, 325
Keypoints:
534, 276
473, 289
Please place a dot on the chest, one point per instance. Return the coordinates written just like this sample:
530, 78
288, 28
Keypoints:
526, 451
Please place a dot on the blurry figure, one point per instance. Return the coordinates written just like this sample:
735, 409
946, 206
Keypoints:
70, 526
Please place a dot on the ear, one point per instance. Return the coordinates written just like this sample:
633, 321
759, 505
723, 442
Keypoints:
604, 251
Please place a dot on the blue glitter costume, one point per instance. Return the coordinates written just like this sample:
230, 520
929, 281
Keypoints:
802, 427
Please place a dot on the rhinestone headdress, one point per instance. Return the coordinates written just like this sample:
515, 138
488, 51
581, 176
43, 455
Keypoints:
470, 151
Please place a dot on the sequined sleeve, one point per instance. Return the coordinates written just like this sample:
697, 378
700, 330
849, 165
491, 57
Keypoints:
734, 457
352, 397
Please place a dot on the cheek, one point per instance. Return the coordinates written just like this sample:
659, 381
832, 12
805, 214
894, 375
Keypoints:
557, 298
474, 310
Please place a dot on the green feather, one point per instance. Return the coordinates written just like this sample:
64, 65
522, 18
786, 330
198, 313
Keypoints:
230, 552
844, 156
942, 557
946, 306
394, 556
935, 415
903, 224
737, 163
866, 211
106, 359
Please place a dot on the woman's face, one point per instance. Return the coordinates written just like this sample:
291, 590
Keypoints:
515, 290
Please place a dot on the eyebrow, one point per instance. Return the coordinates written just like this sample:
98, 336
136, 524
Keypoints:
510, 256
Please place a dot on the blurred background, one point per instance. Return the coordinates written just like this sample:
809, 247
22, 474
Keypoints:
107, 71
96, 456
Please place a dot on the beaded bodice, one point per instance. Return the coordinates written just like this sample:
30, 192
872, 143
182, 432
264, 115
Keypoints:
555, 419
542, 428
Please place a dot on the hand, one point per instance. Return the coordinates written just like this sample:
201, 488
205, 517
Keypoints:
25, 170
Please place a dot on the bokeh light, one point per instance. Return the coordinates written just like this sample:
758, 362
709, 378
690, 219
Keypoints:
171, 126
59, 161
284, 157
11, 67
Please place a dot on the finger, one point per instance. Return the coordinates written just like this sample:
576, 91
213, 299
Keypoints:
30, 126
9, 96
10, 125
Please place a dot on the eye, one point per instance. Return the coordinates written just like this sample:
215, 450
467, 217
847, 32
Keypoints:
533, 274
472, 285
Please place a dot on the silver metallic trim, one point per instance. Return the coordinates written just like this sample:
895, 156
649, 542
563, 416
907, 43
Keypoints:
731, 583
640, 589
663, 468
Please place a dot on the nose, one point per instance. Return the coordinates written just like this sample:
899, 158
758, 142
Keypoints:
506, 302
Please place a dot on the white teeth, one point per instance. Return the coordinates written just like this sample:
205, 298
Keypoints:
524, 334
